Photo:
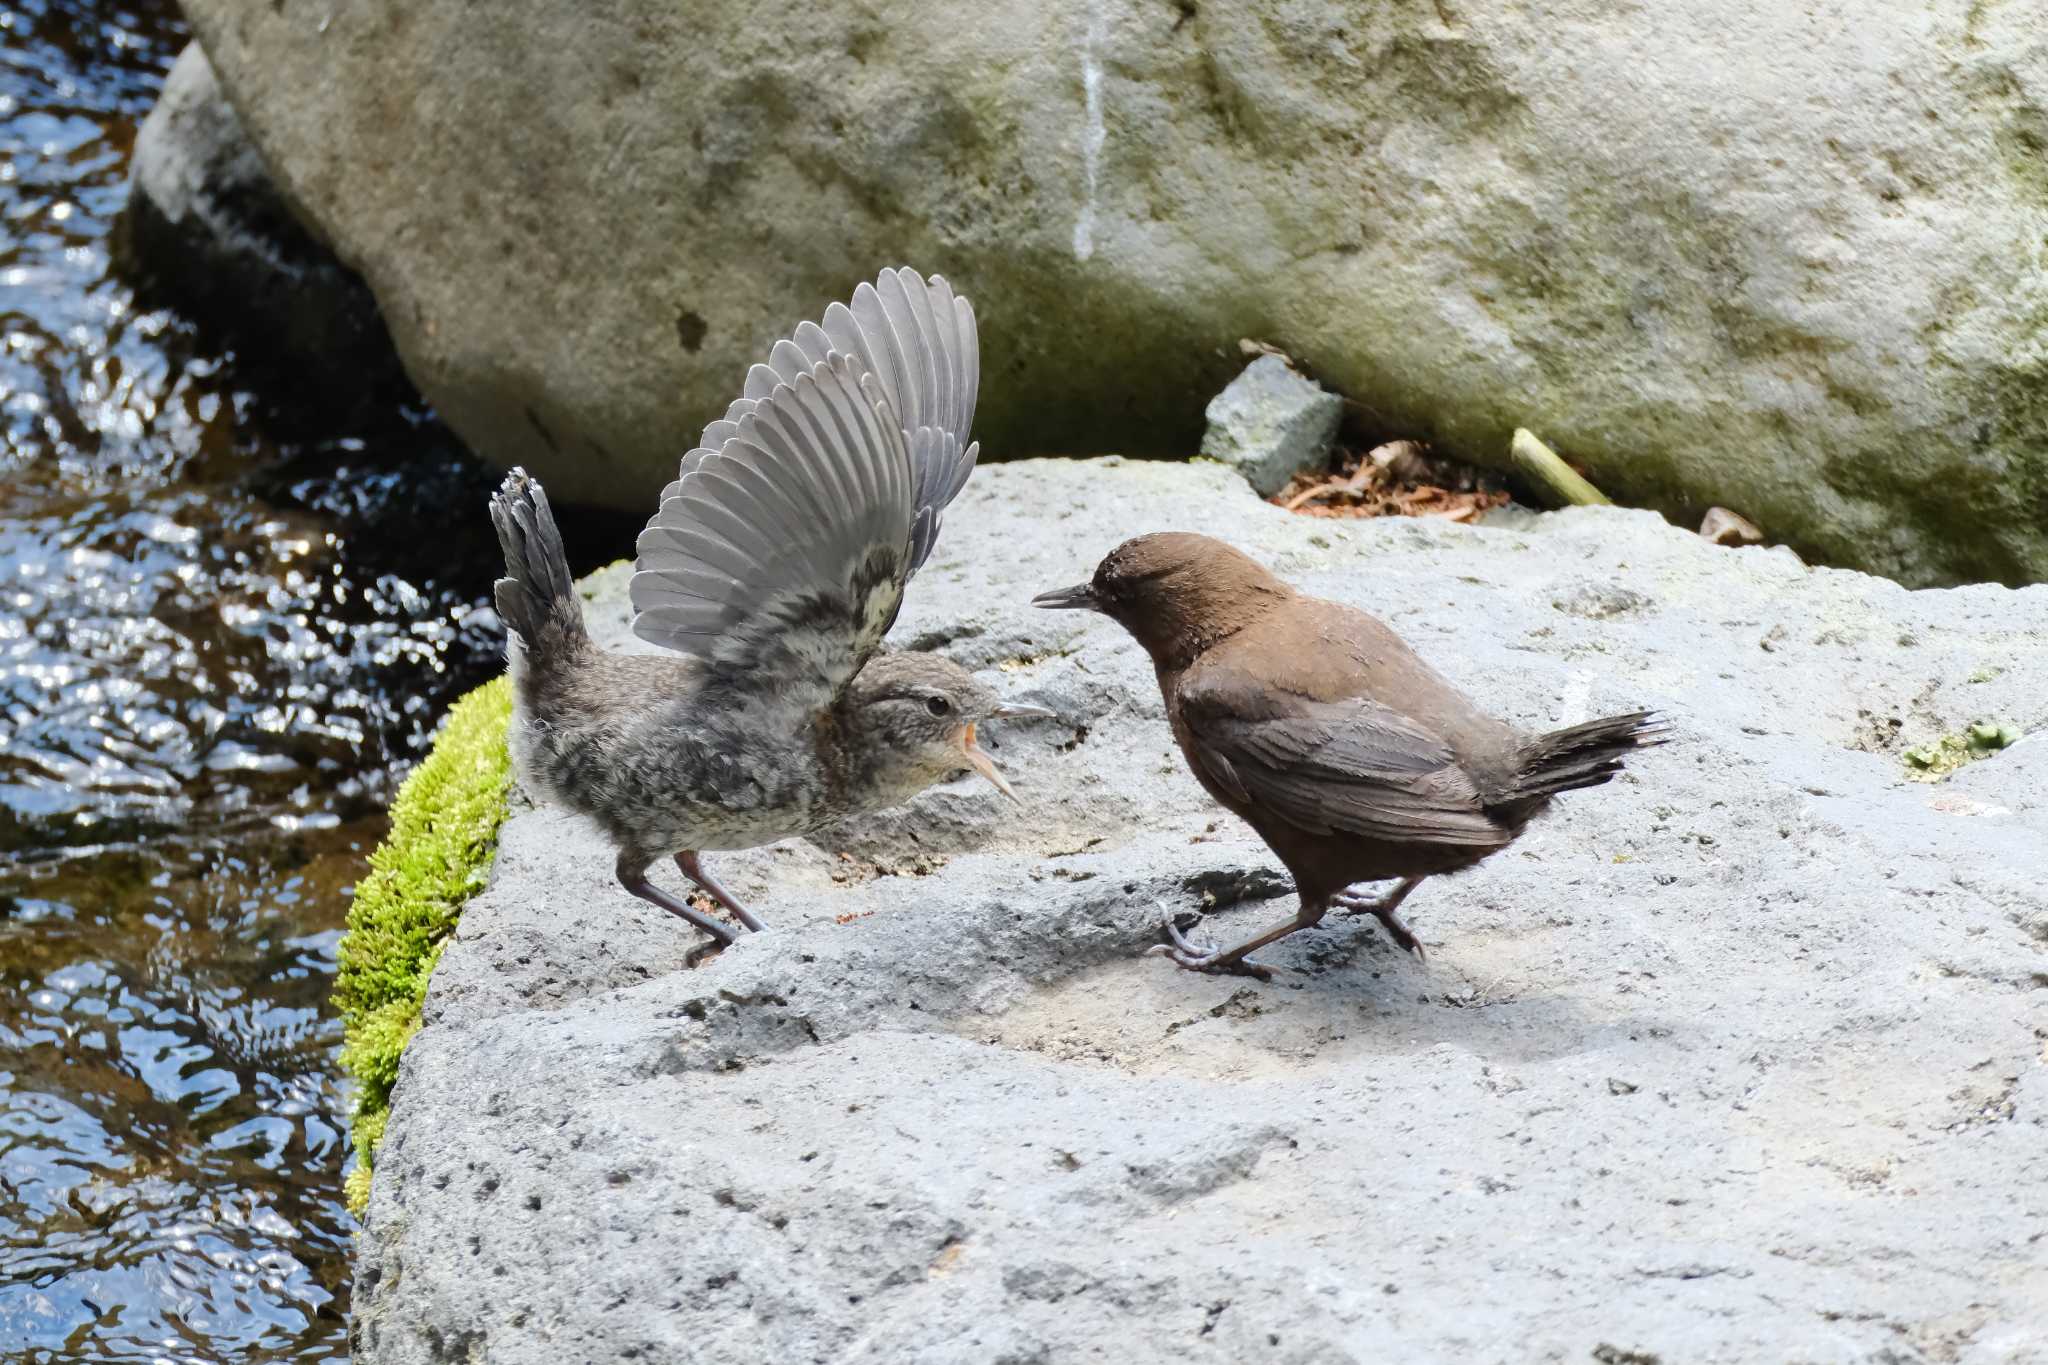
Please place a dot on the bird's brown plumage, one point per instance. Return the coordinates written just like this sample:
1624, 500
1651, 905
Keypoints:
1352, 758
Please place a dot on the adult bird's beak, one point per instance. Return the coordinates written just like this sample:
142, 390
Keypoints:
1080, 597
978, 759
1019, 710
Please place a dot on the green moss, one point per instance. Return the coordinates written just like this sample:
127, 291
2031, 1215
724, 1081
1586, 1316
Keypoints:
444, 833
1935, 760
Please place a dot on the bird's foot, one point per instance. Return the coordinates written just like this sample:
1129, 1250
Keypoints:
1383, 909
707, 951
1187, 955
1403, 935
722, 936
1389, 921
687, 862
633, 877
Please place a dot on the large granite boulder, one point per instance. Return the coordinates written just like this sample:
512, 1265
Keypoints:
206, 231
1737, 1058
1782, 257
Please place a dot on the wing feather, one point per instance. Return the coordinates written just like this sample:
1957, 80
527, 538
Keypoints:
885, 350
821, 489
792, 536
761, 381
934, 384
811, 339
918, 339
788, 361
970, 363
1341, 767
946, 342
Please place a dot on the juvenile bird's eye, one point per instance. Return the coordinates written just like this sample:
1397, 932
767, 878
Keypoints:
938, 706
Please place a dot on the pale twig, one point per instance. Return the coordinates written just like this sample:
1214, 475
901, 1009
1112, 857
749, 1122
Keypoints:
1542, 464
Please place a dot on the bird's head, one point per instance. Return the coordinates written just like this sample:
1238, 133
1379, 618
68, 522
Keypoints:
916, 717
1176, 592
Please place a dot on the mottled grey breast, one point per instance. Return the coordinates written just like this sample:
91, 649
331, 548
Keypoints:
791, 529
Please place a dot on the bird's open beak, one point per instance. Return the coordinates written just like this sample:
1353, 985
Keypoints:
978, 759
1019, 710
1080, 597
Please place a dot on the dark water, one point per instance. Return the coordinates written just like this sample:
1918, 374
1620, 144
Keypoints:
223, 630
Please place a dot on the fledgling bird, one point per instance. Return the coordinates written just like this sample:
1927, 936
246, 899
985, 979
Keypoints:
1353, 759
773, 568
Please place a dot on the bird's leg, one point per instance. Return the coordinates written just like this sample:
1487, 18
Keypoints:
632, 871
694, 870
1384, 909
1236, 961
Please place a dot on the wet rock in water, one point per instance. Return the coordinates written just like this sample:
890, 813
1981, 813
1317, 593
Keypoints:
1734, 1058
584, 222
1271, 423
207, 231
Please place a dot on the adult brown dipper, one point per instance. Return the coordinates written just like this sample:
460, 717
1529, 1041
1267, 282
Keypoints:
774, 568
1353, 759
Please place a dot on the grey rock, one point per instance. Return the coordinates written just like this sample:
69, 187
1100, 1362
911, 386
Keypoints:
207, 231
1736, 1058
1271, 423
1777, 257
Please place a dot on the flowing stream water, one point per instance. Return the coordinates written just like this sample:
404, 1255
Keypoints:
225, 629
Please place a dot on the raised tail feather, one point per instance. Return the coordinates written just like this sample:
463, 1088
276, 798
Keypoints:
1582, 755
537, 597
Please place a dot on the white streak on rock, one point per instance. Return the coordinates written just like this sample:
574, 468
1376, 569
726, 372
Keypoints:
1093, 134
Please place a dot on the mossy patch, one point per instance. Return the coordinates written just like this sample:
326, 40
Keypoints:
1935, 760
444, 833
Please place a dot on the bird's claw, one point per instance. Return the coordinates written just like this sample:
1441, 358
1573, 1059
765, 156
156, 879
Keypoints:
1403, 936
1191, 958
1390, 923
704, 952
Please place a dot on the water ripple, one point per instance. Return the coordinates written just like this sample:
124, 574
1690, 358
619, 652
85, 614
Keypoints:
225, 627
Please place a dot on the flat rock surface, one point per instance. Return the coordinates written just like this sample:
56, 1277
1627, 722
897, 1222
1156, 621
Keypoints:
1738, 1058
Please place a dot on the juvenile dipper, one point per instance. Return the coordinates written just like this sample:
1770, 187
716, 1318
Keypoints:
1352, 758
774, 568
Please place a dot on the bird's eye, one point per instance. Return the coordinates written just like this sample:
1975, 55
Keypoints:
938, 706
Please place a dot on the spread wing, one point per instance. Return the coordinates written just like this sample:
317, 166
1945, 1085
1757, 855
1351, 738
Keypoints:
787, 538
918, 339
1351, 766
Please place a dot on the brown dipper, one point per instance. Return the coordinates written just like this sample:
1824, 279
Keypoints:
774, 568
1353, 759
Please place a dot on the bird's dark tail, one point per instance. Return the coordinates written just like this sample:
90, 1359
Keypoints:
1582, 755
537, 596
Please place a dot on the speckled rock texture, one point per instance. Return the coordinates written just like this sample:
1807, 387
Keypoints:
1738, 1058
1271, 423
1785, 256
